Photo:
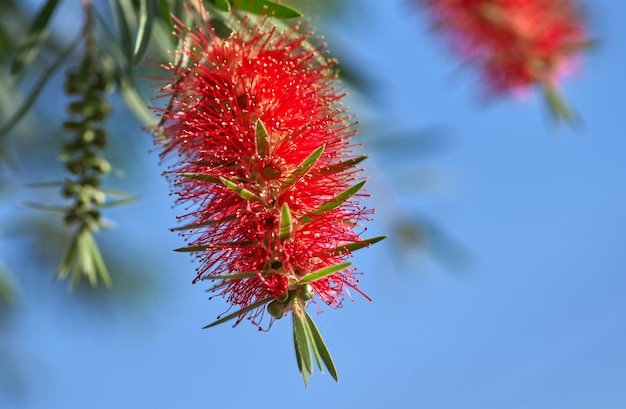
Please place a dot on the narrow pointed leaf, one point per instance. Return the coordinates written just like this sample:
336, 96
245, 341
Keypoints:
99, 265
200, 176
266, 8
302, 344
300, 359
7, 289
309, 334
234, 276
286, 223
205, 224
303, 168
243, 192
558, 106
29, 49
85, 263
144, 30
165, 14
220, 27
120, 202
68, 260
122, 16
321, 347
191, 249
49, 208
261, 138
346, 164
45, 184
223, 5
240, 312
339, 199
34, 93
323, 272
333, 204
358, 245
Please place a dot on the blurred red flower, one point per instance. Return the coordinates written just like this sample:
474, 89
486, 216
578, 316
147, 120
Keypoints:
515, 43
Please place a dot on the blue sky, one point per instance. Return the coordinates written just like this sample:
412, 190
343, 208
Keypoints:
531, 317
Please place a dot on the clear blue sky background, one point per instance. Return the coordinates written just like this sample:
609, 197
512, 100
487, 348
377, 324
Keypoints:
531, 316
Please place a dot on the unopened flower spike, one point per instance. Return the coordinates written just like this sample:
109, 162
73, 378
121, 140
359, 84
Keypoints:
264, 167
516, 44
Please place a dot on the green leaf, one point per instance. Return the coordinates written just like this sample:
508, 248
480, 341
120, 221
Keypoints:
320, 347
199, 225
68, 261
286, 223
222, 30
333, 204
144, 30
261, 138
48, 208
29, 49
135, 101
323, 272
7, 288
350, 247
239, 312
243, 192
234, 276
166, 14
346, 164
299, 358
303, 350
303, 168
200, 176
266, 8
223, 5
558, 106
123, 14
192, 249
98, 262
120, 202
309, 334
34, 93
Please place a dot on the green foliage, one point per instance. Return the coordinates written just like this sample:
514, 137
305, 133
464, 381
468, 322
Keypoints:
265, 8
38, 31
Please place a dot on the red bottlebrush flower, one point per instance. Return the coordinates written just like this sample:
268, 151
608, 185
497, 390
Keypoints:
264, 167
516, 43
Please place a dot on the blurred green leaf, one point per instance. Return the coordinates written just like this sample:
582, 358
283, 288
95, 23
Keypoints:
223, 5
123, 14
34, 93
37, 33
144, 29
265, 8
7, 289
83, 259
220, 27
165, 13
557, 105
